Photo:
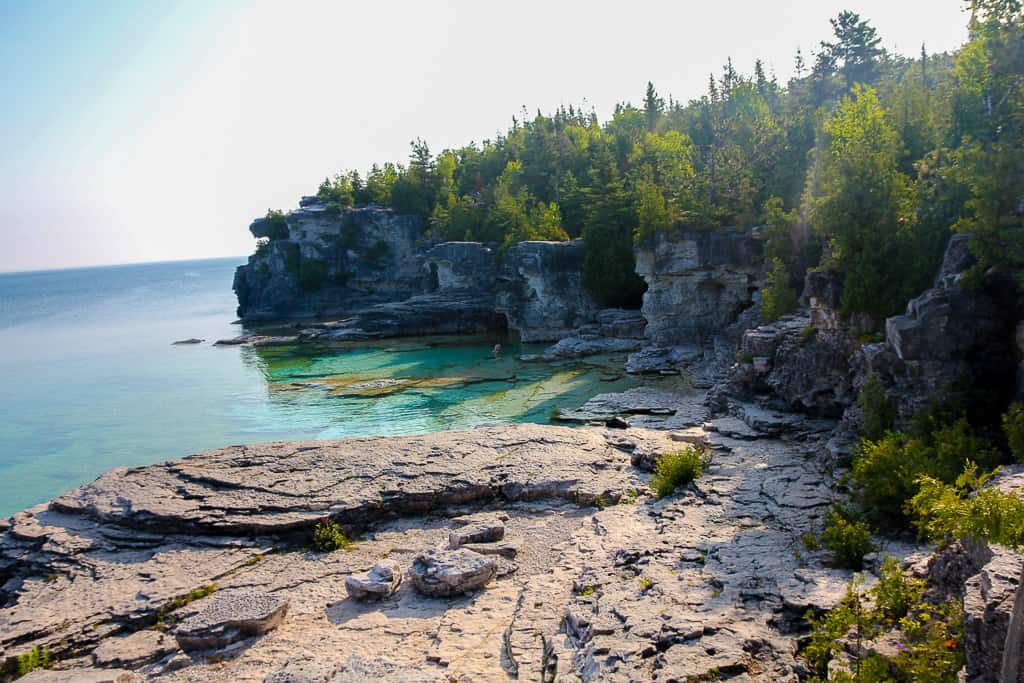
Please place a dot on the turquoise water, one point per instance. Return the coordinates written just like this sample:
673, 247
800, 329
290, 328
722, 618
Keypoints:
91, 380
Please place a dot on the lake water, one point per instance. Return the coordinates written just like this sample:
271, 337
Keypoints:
92, 381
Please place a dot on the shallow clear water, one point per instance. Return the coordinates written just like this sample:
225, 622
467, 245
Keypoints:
91, 380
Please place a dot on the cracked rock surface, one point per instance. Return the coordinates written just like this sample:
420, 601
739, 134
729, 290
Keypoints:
608, 583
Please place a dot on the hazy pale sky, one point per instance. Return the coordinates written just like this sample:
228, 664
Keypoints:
145, 131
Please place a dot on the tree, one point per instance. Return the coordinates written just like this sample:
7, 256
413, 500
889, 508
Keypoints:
862, 208
778, 298
855, 48
652, 212
654, 106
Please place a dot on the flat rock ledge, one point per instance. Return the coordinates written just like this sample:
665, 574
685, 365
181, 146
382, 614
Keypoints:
229, 618
444, 573
607, 583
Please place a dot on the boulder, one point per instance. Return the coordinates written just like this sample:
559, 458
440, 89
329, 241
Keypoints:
380, 582
662, 359
486, 531
230, 617
444, 573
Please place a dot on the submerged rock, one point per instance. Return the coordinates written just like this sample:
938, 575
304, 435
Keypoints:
191, 340
380, 582
230, 617
445, 573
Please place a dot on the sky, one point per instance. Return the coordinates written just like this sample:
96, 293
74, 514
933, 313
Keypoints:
153, 131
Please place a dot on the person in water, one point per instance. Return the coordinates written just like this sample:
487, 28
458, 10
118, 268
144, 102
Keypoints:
497, 350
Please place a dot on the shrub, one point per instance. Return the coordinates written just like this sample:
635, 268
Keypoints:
1013, 428
929, 636
312, 274
877, 413
262, 247
277, 225
778, 298
744, 357
677, 468
36, 658
328, 536
847, 537
969, 509
807, 334
887, 471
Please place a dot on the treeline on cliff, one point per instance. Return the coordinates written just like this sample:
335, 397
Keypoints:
862, 163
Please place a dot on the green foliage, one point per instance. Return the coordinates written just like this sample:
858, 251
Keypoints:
328, 536
1013, 428
277, 226
808, 334
877, 413
846, 537
778, 298
968, 509
678, 468
262, 247
929, 636
887, 471
883, 154
36, 658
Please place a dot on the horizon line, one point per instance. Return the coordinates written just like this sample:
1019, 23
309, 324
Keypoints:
123, 264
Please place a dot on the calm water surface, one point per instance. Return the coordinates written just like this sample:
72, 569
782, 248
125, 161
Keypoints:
91, 380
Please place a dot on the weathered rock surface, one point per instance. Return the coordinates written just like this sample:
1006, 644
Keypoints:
135, 650
697, 284
444, 573
367, 256
486, 531
380, 582
711, 579
230, 617
540, 290
87, 675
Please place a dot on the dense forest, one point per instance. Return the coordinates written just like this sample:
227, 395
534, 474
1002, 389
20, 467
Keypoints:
863, 163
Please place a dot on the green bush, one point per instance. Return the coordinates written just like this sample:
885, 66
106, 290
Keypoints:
929, 636
967, 509
848, 538
677, 468
36, 658
312, 274
877, 413
886, 472
262, 247
778, 298
277, 226
1013, 428
328, 536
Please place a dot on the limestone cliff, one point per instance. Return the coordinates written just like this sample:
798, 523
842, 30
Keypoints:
385, 277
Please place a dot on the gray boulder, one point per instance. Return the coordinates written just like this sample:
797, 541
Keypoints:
444, 573
380, 582
230, 617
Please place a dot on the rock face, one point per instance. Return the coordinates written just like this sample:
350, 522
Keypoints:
540, 290
697, 284
376, 271
230, 617
331, 262
444, 573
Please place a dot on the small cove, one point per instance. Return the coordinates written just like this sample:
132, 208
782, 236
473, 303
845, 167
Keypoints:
92, 380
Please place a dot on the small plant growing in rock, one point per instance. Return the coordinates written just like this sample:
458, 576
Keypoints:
601, 503
744, 357
36, 658
807, 334
328, 536
678, 468
847, 537
164, 616
646, 583
586, 590
810, 542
